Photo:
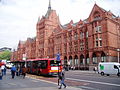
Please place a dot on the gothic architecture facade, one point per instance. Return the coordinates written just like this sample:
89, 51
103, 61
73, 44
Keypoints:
82, 44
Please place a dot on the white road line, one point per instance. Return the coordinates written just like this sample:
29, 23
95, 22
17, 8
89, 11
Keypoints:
94, 82
11, 83
84, 87
41, 80
35, 80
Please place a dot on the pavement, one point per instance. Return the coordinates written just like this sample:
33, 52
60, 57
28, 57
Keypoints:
21, 84
47, 88
52, 81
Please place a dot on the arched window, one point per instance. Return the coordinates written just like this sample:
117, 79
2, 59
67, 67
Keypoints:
94, 59
103, 57
70, 60
65, 60
87, 59
76, 60
82, 59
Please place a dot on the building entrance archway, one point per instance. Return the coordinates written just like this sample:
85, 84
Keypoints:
82, 59
94, 58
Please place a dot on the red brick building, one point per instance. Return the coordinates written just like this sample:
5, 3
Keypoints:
30, 48
45, 27
82, 44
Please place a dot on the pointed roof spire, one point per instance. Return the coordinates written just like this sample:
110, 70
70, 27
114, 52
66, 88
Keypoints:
49, 7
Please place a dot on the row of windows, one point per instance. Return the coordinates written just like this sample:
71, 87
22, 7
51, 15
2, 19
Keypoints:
82, 35
75, 48
87, 61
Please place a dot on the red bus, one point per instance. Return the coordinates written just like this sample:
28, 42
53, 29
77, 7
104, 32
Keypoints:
44, 66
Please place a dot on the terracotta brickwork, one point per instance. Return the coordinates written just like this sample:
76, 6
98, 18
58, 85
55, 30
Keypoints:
81, 45
45, 27
30, 48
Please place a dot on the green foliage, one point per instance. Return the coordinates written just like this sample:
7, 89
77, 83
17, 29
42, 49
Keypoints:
5, 55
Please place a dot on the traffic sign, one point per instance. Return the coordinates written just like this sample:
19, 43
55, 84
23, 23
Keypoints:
58, 57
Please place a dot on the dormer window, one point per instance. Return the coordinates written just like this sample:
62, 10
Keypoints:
96, 15
98, 29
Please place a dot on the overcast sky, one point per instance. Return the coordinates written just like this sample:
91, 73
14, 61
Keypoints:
18, 18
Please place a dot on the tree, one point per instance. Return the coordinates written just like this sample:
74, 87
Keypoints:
5, 55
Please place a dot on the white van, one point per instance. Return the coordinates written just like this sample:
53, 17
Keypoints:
109, 68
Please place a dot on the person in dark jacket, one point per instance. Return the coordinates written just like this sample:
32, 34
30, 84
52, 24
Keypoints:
62, 78
13, 70
0, 73
24, 70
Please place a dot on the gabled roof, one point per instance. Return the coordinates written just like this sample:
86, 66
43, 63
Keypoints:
102, 12
96, 8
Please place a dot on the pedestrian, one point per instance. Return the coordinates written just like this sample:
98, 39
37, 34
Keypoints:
18, 71
62, 78
24, 71
13, 70
95, 69
0, 73
2, 69
5, 70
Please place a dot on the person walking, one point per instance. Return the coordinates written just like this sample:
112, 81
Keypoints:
18, 71
95, 69
13, 70
0, 73
24, 71
5, 70
62, 78
2, 69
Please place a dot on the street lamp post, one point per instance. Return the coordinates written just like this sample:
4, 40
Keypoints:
118, 55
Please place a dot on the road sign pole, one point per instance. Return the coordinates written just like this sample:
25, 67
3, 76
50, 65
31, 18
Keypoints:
58, 60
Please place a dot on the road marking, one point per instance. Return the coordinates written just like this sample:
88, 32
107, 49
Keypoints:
42, 80
84, 87
94, 82
11, 83
35, 80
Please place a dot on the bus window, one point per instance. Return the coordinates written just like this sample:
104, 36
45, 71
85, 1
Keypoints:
43, 64
28, 64
39, 64
35, 64
54, 63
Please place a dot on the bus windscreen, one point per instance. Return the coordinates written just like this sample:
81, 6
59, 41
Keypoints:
54, 63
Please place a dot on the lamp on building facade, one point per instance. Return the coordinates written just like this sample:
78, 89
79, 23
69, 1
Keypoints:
118, 50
